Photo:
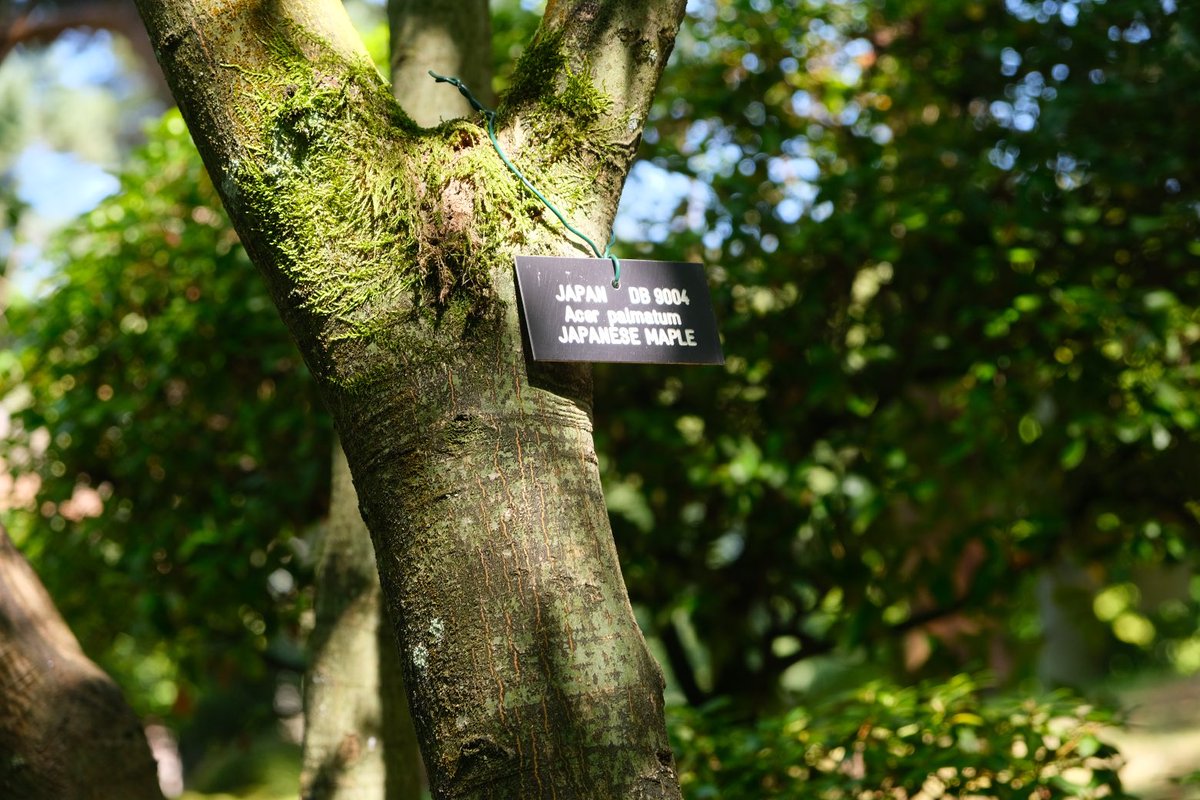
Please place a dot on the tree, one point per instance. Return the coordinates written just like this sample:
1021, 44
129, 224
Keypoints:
961, 331
65, 730
388, 250
358, 734
359, 741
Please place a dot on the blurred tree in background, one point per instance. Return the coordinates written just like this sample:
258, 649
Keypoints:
954, 252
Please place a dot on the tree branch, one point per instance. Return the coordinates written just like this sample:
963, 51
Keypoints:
621, 48
32, 24
681, 666
307, 148
216, 58
65, 729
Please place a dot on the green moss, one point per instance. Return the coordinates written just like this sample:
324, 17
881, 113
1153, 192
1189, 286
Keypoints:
329, 183
375, 223
537, 69
545, 79
387, 234
563, 107
581, 99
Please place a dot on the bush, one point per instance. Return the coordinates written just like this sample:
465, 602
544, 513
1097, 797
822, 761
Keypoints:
947, 740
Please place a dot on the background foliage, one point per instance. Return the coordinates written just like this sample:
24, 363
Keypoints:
954, 251
953, 248
882, 741
172, 426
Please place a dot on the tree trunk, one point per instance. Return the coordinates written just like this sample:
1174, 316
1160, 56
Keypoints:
388, 249
359, 742
448, 38
65, 730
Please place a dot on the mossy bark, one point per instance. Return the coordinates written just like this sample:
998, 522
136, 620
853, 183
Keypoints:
389, 251
359, 739
65, 729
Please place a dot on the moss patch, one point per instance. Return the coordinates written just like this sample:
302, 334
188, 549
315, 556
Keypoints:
566, 98
537, 69
372, 220
561, 108
388, 235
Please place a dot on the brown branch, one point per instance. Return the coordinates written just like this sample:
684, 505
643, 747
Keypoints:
41, 24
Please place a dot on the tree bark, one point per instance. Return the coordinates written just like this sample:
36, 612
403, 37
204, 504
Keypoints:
355, 689
359, 742
389, 250
65, 730
448, 38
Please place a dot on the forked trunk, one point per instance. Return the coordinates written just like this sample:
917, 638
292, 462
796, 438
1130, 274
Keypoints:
389, 251
359, 739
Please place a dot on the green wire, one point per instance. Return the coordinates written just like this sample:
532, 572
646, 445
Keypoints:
490, 116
